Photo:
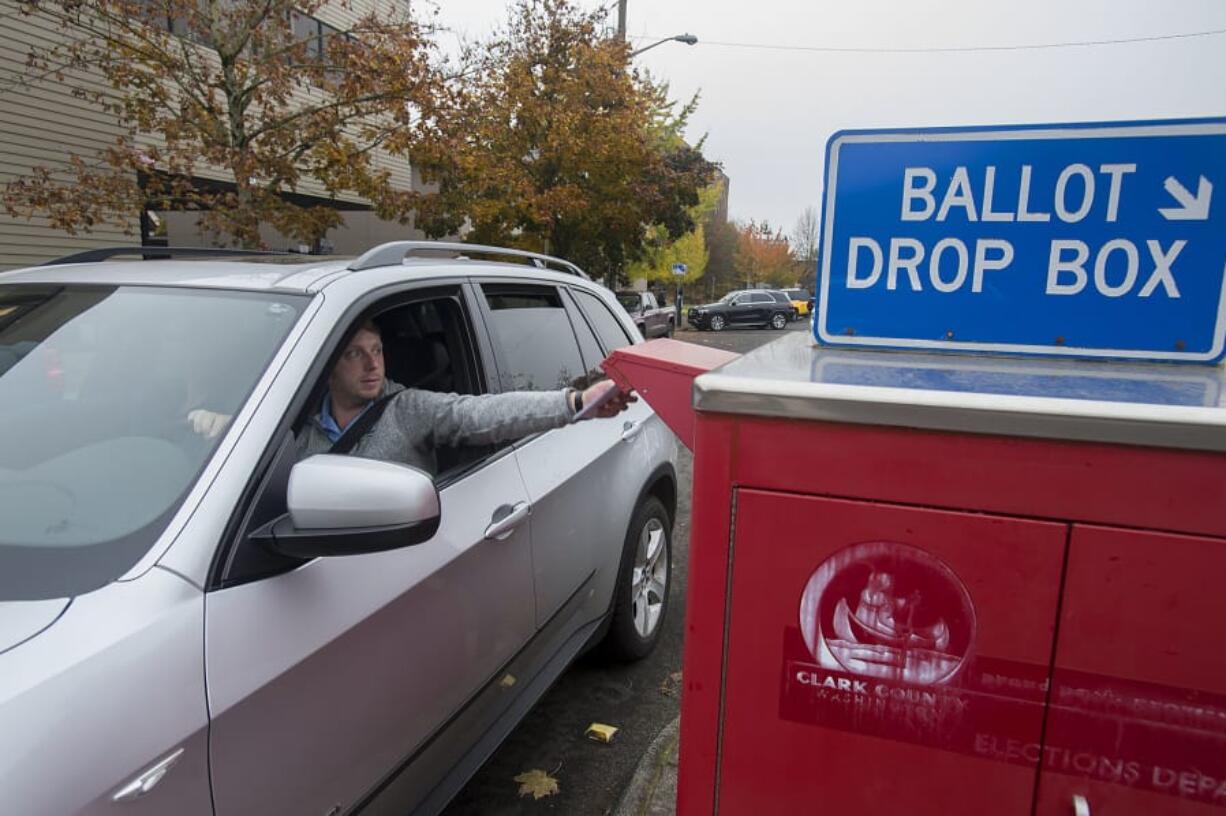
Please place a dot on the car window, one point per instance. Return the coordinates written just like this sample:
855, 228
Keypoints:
780, 297
759, 297
427, 346
533, 339
610, 330
97, 445
628, 300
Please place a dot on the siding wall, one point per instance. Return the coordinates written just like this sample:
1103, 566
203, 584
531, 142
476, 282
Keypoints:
43, 123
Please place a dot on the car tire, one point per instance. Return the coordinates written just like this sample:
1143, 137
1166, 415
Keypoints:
779, 321
718, 322
672, 329
644, 578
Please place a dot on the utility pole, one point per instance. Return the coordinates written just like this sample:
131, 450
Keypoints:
621, 20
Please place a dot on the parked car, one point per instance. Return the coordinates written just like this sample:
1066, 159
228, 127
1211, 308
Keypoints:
801, 300
197, 623
782, 298
651, 319
745, 307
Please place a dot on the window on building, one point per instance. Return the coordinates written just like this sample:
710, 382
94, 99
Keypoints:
306, 30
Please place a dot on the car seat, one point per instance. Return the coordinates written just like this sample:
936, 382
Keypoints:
418, 355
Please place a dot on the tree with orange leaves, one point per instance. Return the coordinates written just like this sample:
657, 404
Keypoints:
560, 145
762, 257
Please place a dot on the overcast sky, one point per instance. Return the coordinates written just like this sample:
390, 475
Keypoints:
768, 111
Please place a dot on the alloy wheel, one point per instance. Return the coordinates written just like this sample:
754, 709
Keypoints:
649, 581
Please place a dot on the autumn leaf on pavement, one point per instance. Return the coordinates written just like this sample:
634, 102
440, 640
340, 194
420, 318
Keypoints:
537, 784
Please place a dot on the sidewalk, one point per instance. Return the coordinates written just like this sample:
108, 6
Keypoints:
653, 790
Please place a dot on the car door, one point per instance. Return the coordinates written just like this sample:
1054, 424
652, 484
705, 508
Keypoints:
567, 471
743, 309
732, 311
763, 305
654, 319
326, 677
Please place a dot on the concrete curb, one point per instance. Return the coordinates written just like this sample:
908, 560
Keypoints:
653, 789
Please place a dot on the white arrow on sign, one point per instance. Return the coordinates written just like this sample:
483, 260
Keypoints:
1191, 208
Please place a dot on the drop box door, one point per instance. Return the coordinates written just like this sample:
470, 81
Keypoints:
1137, 723
884, 659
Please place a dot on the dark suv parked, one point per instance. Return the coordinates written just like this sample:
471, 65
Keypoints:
745, 307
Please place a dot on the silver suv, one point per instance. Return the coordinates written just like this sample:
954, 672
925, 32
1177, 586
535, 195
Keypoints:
192, 621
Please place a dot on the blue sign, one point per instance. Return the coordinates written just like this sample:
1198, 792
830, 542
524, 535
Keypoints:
679, 269
1099, 240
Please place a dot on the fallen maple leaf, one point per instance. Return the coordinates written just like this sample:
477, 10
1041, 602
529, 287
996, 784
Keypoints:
671, 684
537, 784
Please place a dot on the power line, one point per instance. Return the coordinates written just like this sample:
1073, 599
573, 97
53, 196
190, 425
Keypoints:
953, 49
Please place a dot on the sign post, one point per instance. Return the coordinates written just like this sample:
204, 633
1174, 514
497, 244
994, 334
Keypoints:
1092, 241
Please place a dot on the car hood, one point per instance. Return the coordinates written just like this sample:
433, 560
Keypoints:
709, 306
22, 620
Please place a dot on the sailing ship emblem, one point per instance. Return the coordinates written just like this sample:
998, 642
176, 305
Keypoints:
890, 611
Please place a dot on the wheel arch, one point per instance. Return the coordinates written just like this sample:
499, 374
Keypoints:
663, 485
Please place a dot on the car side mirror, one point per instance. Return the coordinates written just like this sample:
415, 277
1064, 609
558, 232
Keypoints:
347, 505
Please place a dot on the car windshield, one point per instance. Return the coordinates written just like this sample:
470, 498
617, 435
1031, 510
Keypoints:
96, 447
629, 300
728, 297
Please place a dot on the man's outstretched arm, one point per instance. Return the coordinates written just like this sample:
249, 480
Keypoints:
492, 418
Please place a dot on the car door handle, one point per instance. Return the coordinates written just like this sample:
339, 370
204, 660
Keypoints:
502, 526
631, 430
144, 783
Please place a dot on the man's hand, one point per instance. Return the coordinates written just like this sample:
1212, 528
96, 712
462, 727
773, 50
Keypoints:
615, 404
208, 424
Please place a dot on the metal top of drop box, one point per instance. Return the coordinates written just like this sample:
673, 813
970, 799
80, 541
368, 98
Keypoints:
1134, 404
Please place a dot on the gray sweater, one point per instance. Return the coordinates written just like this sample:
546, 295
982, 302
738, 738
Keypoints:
414, 422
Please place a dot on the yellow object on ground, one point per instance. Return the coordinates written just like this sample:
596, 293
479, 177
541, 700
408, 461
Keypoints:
599, 732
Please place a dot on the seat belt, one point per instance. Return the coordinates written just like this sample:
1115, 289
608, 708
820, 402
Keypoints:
357, 429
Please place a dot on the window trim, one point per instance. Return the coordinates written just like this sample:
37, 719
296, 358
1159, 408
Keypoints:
630, 341
577, 314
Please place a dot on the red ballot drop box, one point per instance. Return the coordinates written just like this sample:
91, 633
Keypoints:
928, 584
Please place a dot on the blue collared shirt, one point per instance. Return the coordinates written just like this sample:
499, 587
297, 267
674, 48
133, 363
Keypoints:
328, 422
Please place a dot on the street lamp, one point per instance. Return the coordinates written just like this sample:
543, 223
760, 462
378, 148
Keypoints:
688, 39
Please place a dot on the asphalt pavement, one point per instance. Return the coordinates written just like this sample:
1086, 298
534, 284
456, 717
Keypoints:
636, 772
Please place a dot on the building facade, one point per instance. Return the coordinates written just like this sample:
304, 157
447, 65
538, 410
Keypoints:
42, 123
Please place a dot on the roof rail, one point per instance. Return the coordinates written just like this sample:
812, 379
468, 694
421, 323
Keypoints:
146, 252
395, 252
